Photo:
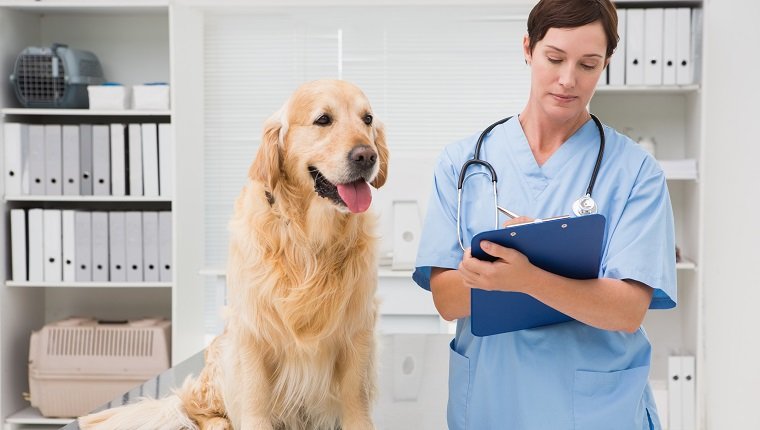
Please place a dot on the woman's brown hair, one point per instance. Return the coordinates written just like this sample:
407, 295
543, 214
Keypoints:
570, 14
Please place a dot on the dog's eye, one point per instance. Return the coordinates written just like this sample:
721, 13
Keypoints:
367, 119
323, 120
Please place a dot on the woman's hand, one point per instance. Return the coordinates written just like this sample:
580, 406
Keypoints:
512, 271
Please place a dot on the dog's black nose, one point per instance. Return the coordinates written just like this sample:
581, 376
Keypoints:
362, 157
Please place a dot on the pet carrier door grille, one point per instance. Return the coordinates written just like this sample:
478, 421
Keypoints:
40, 78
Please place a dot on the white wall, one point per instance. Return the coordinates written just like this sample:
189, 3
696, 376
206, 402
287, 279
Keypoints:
731, 210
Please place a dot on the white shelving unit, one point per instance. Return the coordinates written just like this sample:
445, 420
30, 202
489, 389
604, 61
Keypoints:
672, 116
133, 42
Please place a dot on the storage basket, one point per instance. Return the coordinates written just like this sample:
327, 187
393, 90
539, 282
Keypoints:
78, 364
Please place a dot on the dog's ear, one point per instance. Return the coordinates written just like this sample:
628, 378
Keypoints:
382, 155
268, 163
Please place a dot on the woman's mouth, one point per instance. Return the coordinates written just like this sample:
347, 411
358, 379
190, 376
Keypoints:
562, 98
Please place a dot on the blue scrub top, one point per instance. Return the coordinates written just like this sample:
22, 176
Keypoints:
570, 375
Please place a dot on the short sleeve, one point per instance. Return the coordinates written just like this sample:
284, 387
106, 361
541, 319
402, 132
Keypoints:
439, 246
641, 245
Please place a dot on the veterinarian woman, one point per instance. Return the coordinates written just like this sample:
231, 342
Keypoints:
591, 373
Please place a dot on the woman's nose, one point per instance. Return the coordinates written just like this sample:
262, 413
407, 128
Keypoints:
567, 76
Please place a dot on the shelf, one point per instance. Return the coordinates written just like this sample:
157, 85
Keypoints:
89, 199
647, 89
686, 265
387, 272
32, 415
685, 170
83, 112
88, 6
42, 284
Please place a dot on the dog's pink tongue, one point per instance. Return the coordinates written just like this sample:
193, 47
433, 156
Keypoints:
356, 195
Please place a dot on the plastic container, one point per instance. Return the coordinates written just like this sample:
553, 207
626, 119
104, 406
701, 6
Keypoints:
108, 97
150, 97
78, 364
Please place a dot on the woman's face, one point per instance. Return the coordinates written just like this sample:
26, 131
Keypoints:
565, 67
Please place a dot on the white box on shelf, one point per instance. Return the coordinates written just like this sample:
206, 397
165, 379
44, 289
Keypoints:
150, 97
108, 97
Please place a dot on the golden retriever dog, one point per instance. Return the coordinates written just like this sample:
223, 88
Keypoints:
298, 348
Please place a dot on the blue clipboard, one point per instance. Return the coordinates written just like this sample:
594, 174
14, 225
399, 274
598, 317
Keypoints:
571, 247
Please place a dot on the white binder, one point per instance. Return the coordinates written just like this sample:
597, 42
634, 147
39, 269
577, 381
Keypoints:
53, 160
16, 141
135, 160
69, 243
165, 160
37, 160
52, 247
70, 156
118, 161
36, 244
653, 46
150, 159
18, 244
165, 245
689, 399
684, 65
669, 34
617, 62
99, 246
85, 159
101, 161
675, 394
634, 48
134, 246
117, 246
150, 247
83, 246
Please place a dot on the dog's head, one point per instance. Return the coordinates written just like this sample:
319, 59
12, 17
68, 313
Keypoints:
325, 138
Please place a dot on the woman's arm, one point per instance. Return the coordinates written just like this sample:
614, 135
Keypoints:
605, 303
451, 297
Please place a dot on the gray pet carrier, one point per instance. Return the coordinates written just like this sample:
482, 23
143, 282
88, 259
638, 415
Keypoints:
55, 77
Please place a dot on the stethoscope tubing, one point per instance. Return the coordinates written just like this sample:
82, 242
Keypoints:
477, 160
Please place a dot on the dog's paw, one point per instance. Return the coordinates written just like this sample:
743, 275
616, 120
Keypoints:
217, 423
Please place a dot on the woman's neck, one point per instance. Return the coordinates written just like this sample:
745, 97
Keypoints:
545, 135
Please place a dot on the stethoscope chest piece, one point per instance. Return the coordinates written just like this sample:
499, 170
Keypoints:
584, 206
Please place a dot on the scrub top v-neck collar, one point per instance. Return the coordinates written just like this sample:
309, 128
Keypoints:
536, 177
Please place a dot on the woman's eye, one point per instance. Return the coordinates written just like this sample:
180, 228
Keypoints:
588, 66
553, 60
367, 119
323, 120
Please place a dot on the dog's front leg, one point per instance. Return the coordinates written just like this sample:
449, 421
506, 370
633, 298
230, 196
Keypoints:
253, 396
357, 382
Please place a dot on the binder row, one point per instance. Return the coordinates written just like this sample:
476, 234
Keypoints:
681, 393
87, 159
53, 245
656, 47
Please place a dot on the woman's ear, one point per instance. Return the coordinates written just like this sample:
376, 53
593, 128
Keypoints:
268, 163
382, 154
526, 49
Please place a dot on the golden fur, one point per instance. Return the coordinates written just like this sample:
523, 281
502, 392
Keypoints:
298, 348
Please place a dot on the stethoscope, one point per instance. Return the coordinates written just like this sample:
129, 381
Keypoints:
585, 205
